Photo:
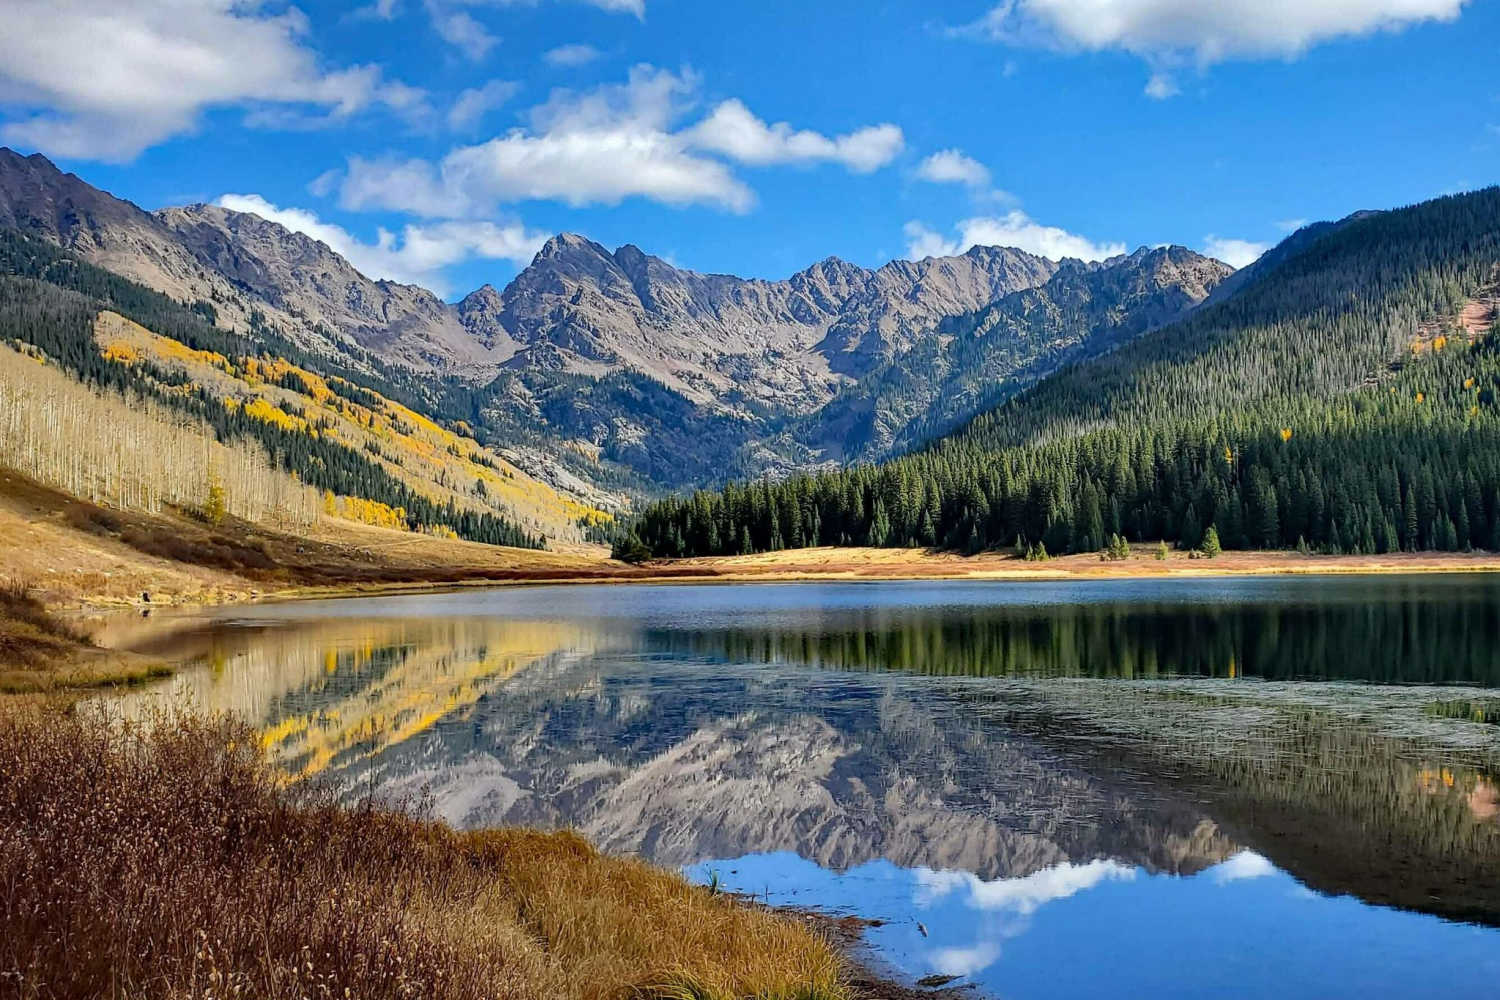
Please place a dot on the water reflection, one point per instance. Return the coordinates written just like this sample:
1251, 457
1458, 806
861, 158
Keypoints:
327, 693
1240, 929
982, 760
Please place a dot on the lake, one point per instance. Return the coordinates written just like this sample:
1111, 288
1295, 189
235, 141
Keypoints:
1276, 787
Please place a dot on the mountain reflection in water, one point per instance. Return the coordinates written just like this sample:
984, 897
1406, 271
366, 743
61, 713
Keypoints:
985, 760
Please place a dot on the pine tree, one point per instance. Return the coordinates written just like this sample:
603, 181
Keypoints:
1211, 547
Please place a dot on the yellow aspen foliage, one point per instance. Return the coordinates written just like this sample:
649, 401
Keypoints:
330, 503
1421, 397
372, 512
1469, 382
1438, 343
122, 352
1228, 455
215, 503
1286, 434
261, 409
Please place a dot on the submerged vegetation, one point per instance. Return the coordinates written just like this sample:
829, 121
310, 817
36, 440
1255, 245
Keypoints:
1470, 710
171, 860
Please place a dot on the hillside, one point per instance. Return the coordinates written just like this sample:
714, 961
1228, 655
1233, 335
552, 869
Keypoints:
334, 443
1342, 399
616, 370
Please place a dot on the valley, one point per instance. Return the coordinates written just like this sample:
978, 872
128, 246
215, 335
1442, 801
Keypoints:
632, 500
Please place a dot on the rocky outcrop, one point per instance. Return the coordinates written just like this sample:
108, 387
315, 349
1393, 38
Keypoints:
664, 375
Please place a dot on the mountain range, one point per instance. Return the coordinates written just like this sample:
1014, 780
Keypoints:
619, 369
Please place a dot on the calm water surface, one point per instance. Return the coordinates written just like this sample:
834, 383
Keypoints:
1208, 788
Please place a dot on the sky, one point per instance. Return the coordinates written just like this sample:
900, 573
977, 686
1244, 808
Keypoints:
442, 141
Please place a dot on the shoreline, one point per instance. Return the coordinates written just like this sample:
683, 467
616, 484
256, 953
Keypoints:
907, 566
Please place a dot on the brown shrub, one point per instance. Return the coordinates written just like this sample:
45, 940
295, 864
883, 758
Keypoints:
169, 861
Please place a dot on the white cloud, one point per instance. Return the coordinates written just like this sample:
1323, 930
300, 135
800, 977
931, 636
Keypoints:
473, 104
459, 29
1290, 225
603, 146
418, 257
1174, 32
635, 7
1235, 253
952, 166
98, 79
1022, 896
571, 55
1013, 229
380, 10
963, 961
1244, 865
733, 130
1162, 85
1210, 32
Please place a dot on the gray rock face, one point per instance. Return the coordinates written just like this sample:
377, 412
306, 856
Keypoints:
243, 265
725, 342
304, 279
662, 374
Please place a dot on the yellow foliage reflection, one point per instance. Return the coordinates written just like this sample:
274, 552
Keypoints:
331, 692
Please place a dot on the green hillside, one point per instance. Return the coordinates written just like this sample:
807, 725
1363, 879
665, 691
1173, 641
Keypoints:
1340, 398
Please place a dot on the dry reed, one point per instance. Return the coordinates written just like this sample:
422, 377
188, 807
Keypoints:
168, 860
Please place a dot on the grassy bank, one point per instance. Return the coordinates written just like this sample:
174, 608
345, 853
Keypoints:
41, 653
171, 861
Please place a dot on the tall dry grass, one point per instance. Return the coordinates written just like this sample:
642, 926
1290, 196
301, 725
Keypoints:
170, 861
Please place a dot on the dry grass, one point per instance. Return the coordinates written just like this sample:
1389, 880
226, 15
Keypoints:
170, 861
41, 653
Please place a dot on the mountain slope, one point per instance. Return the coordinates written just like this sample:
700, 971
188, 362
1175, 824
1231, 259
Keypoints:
730, 343
1344, 398
247, 273
988, 355
598, 368
369, 457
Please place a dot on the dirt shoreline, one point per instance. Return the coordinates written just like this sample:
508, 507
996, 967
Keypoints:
913, 566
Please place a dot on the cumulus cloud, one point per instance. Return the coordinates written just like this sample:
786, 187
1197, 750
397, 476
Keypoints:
167, 62
1173, 32
1290, 225
733, 130
571, 55
1235, 253
603, 146
1013, 229
418, 257
953, 166
476, 102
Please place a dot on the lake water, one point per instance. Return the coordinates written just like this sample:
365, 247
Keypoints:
1183, 788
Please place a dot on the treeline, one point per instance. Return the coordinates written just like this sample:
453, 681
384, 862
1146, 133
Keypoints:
1277, 417
54, 312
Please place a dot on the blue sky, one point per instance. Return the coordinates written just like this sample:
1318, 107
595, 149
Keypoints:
440, 141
